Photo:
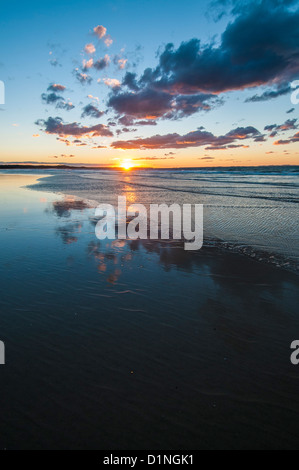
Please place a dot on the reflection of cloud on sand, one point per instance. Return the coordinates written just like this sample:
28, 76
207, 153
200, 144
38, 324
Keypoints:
63, 208
67, 233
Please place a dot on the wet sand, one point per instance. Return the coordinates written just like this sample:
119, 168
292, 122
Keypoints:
138, 345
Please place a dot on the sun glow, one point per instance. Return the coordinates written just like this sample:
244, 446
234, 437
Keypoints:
126, 164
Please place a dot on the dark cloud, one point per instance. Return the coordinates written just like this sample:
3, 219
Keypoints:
290, 110
128, 120
185, 79
150, 122
91, 111
130, 80
269, 94
289, 124
102, 63
191, 139
67, 106
290, 140
57, 126
51, 98
151, 104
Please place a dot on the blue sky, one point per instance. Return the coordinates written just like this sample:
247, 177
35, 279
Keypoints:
199, 88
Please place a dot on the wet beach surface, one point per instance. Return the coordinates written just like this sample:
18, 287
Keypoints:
137, 344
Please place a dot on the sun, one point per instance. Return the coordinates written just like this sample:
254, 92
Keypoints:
126, 164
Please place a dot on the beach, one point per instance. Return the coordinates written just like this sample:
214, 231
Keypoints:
138, 344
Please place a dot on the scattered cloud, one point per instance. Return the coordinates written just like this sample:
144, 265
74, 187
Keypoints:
269, 94
55, 87
112, 82
99, 31
290, 140
122, 63
102, 63
87, 64
95, 98
50, 98
89, 48
152, 158
57, 126
91, 111
274, 129
83, 78
108, 40
54, 98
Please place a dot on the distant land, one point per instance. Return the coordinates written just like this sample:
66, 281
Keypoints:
61, 166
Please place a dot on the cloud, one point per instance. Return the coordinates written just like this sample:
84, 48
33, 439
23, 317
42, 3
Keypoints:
89, 48
186, 77
290, 140
145, 123
55, 63
191, 139
87, 64
99, 31
91, 111
108, 40
122, 63
51, 98
152, 104
57, 126
67, 106
102, 63
152, 158
290, 110
112, 82
289, 124
83, 78
55, 87
269, 94
128, 120
95, 98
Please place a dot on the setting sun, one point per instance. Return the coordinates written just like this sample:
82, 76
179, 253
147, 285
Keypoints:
126, 165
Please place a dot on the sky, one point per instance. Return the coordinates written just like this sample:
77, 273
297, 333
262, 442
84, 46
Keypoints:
150, 83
